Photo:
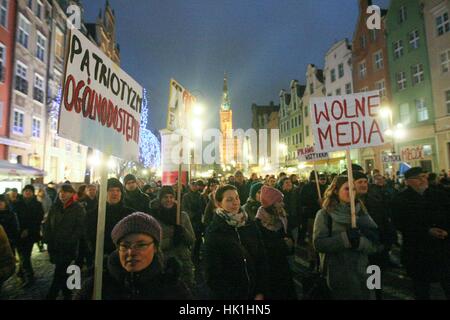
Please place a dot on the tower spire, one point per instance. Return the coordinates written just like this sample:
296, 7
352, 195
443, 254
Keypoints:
225, 98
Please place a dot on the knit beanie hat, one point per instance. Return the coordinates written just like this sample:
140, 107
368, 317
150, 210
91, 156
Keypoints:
166, 190
128, 177
67, 187
270, 196
137, 222
28, 187
114, 183
359, 175
254, 189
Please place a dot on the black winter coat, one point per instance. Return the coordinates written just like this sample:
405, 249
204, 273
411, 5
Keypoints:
136, 200
193, 205
424, 257
114, 213
8, 220
235, 261
292, 206
63, 229
151, 283
281, 285
309, 199
30, 214
243, 191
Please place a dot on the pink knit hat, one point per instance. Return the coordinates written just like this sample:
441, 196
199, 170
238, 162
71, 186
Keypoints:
270, 196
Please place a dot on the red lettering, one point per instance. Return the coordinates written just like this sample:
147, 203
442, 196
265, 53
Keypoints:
372, 106
346, 110
69, 105
337, 102
375, 128
360, 106
355, 138
321, 114
340, 133
323, 136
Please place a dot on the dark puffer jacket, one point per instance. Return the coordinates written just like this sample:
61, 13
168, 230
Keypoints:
151, 283
114, 213
136, 200
235, 261
63, 229
30, 214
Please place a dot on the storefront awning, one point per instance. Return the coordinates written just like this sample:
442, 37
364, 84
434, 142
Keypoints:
18, 170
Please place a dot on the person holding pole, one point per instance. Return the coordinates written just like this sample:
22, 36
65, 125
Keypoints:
115, 211
135, 269
177, 238
343, 249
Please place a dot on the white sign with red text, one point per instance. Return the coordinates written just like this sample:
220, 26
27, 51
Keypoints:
309, 154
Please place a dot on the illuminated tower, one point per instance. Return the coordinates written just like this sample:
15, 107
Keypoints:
228, 144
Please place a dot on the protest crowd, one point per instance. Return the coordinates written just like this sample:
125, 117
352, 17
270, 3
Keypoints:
239, 235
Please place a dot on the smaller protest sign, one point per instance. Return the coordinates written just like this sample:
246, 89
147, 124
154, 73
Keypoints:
309, 154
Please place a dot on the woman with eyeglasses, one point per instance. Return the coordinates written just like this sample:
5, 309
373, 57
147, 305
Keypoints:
135, 270
344, 250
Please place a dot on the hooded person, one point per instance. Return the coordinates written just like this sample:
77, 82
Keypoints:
115, 211
135, 270
62, 231
254, 200
177, 239
133, 197
272, 221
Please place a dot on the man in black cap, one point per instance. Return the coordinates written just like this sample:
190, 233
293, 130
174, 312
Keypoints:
30, 215
51, 191
134, 198
422, 217
63, 229
242, 187
115, 211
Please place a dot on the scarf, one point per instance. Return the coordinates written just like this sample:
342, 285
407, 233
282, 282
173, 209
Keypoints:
272, 221
235, 220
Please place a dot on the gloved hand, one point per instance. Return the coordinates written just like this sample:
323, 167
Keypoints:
354, 236
178, 235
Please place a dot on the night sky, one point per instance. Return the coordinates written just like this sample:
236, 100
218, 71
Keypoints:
261, 44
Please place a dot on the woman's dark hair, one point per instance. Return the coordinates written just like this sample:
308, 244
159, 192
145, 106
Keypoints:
221, 190
81, 190
331, 198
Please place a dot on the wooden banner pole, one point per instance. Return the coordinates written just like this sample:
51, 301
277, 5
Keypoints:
351, 188
317, 184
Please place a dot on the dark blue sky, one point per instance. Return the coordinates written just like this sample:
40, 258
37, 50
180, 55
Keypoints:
261, 44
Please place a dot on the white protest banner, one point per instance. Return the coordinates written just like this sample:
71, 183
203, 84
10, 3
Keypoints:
101, 104
180, 102
344, 122
309, 154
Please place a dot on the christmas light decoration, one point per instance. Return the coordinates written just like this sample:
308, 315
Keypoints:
149, 146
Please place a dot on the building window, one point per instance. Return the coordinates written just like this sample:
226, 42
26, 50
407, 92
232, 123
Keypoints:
380, 85
398, 49
30, 4
417, 74
301, 137
373, 35
445, 61
333, 75
292, 123
55, 142
422, 111
38, 90
414, 39
338, 92
402, 14
306, 112
401, 80
24, 31
307, 131
362, 70
40, 52
404, 113
2, 62
378, 58
363, 41
341, 70
299, 120
311, 88
296, 138
36, 128
21, 78
348, 88
442, 24
447, 100
39, 10
365, 89
59, 44
4, 13
18, 122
